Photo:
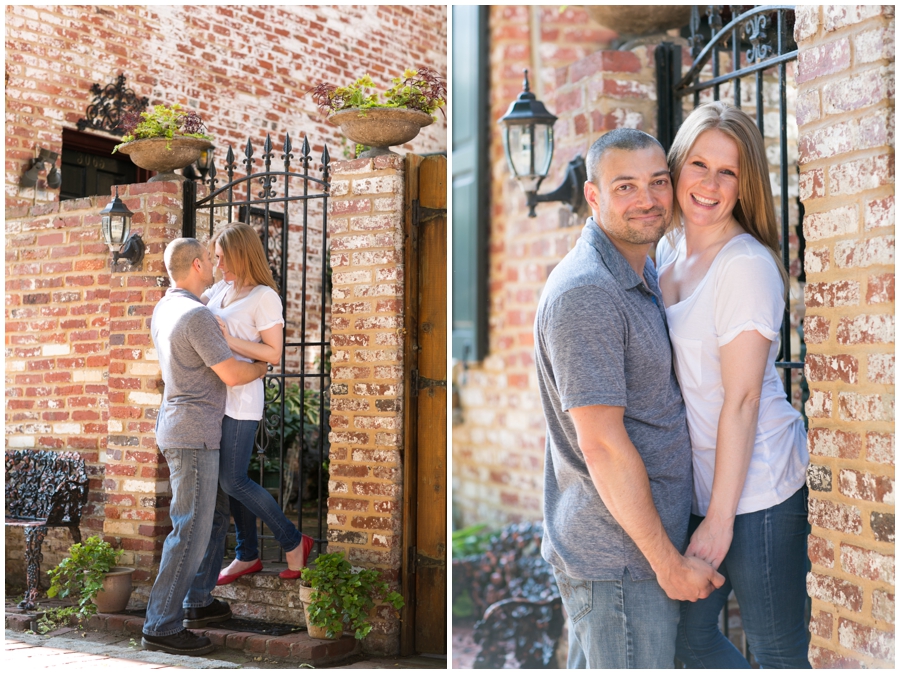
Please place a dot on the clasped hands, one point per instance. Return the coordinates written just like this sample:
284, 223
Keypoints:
695, 576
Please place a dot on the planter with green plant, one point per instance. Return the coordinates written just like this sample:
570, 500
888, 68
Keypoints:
90, 574
335, 594
380, 120
164, 139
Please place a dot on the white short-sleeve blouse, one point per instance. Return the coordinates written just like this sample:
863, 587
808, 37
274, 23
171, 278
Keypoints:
246, 318
741, 291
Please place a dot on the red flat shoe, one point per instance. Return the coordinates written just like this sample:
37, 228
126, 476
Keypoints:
294, 574
225, 579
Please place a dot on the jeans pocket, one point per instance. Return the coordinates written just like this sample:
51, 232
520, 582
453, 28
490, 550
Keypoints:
576, 595
173, 459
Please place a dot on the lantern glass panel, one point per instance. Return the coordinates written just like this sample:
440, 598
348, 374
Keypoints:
118, 229
543, 148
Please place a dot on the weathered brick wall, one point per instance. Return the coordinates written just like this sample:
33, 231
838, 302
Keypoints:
244, 68
365, 486
57, 328
846, 119
81, 372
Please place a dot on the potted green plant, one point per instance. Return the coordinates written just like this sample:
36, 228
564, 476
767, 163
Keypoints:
91, 574
164, 139
334, 593
379, 120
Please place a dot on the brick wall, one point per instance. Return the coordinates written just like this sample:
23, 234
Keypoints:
81, 372
366, 229
244, 68
846, 120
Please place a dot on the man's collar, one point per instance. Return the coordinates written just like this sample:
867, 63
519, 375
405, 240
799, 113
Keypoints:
618, 266
175, 290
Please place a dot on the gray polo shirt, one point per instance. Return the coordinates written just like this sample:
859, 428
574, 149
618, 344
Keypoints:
601, 339
189, 342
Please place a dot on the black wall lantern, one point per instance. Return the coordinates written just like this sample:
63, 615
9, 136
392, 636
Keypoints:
44, 159
200, 168
115, 223
528, 140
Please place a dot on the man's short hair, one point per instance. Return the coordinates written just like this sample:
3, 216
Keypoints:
180, 255
617, 139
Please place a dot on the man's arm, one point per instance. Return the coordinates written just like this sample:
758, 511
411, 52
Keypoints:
235, 372
620, 477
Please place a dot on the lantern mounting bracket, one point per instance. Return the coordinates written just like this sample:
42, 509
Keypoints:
571, 191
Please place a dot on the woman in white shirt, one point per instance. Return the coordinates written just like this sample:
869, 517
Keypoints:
248, 308
724, 287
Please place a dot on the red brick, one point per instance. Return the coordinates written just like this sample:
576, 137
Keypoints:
835, 516
866, 486
834, 442
824, 658
866, 640
821, 60
834, 591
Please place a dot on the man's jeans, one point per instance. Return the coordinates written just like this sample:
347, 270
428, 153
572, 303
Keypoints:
618, 624
194, 476
766, 567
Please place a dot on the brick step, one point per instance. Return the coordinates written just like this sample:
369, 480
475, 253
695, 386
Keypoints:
264, 596
296, 647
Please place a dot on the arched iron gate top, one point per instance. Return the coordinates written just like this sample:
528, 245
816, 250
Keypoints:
266, 178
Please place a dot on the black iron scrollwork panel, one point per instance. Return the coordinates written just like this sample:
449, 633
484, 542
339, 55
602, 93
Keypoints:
110, 105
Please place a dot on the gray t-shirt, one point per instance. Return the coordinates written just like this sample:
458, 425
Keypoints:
600, 339
189, 342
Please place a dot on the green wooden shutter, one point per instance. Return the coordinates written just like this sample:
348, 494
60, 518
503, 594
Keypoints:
470, 181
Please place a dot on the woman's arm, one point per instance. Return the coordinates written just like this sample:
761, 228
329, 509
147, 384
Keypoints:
269, 350
743, 362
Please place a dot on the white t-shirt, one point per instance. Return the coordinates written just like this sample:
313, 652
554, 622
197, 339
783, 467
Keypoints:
245, 318
741, 291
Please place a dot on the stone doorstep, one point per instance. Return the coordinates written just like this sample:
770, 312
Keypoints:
299, 647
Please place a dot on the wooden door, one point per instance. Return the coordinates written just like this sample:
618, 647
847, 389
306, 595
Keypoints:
424, 578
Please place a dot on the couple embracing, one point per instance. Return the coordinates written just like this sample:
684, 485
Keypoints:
675, 466
214, 341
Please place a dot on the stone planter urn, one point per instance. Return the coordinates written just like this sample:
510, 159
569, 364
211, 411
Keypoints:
164, 156
314, 631
380, 128
116, 592
640, 19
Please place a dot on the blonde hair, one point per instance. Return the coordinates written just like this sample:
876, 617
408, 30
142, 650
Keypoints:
755, 208
244, 255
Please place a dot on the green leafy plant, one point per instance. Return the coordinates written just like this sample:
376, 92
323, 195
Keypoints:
423, 89
80, 574
472, 540
162, 122
342, 593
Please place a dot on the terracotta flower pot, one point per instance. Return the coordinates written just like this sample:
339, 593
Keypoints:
116, 592
314, 631
164, 156
380, 128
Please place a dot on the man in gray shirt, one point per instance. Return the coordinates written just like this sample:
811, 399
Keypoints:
196, 365
617, 475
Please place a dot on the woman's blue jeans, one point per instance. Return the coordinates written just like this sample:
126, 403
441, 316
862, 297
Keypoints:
766, 567
248, 499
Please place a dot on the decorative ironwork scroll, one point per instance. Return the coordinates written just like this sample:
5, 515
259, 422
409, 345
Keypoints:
110, 105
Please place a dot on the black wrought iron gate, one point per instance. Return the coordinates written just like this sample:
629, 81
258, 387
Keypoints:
288, 206
741, 60
738, 56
